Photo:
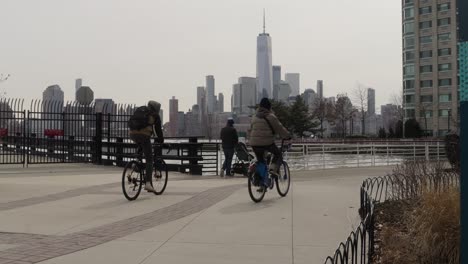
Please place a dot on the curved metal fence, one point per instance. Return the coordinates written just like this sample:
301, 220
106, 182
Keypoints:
409, 180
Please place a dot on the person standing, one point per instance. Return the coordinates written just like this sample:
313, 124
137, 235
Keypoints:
229, 140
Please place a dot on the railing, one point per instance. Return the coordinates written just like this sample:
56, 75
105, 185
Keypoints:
408, 181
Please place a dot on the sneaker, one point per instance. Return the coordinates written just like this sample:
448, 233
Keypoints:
149, 188
221, 173
261, 189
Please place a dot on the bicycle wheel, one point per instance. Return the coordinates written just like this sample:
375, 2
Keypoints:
132, 180
256, 188
159, 181
283, 181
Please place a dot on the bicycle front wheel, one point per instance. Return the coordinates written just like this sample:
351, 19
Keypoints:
132, 180
256, 188
283, 181
160, 176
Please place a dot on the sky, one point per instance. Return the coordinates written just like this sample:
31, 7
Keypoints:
133, 51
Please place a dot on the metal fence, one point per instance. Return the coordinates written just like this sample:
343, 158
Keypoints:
407, 181
70, 132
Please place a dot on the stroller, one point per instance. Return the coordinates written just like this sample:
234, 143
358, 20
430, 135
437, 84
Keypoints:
242, 161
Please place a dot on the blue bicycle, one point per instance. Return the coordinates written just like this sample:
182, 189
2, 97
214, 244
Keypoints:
256, 182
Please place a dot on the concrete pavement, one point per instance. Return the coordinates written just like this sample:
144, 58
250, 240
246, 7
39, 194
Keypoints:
77, 214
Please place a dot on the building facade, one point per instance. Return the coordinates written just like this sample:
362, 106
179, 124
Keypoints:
264, 66
430, 64
210, 94
320, 89
244, 96
173, 116
294, 81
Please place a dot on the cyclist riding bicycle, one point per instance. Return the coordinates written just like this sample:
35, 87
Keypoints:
264, 126
143, 124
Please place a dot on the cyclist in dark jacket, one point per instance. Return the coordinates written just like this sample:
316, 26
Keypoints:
142, 138
229, 140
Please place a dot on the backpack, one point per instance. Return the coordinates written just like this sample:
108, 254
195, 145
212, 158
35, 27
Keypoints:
139, 119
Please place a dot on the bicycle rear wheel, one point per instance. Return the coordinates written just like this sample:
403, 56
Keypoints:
132, 180
256, 188
283, 181
160, 176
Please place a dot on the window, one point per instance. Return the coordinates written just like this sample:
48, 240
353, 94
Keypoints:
408, 84
409, 56
425, 54
445, 98
425, 24
410, 113
409, 13
445, 67
425, 10
408, 70
443, 21
445, 82
443, 7
408, 43
426, 84
425, 39
445, 52
408, 27
426, 113
408, 2
444, 37
444, 112
426, 98
409, 99
425, 68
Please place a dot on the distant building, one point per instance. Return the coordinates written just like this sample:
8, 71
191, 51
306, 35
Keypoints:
309, 97
52, 107
320, 89
173, 116
370, 102
390, 115
105, 106
276, 81
244, 96
284, 92
294, 81
210, 94
78, 84
220, 103
84, 95
264, 85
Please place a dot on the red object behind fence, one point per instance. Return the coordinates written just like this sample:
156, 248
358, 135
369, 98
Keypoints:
3, 132
53, 132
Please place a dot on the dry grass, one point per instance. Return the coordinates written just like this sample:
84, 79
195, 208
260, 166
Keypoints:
435, 227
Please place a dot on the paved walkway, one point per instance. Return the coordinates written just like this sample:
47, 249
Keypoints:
58, 214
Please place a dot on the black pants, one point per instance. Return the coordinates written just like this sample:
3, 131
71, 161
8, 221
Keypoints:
273, 149
228, 154
144, 142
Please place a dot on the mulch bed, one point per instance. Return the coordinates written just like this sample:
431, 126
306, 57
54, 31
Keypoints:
393, 243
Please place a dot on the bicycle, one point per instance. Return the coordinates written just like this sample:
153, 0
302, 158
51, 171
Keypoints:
133, 177
256, 186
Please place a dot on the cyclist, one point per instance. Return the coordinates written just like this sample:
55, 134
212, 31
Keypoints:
264, 126
143, 124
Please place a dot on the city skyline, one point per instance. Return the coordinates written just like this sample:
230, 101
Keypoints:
138, 65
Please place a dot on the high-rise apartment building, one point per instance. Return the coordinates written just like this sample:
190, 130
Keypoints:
430, 67
370, 102
294, 81
210, 94
264, 65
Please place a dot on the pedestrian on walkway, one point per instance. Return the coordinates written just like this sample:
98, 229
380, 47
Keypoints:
229, 140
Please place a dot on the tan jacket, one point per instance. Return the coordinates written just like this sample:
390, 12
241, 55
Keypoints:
261, 133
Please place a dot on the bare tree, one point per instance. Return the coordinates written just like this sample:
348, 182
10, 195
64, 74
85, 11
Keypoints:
322, 111
360, 99
343, 110
397, 99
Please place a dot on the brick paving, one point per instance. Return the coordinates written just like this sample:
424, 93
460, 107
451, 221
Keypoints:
37, 248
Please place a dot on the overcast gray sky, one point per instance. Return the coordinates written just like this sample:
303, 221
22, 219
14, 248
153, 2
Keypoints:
135, 50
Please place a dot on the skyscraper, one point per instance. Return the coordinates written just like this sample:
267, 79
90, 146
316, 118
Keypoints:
244, 95
430, 63
173, 116
320, 89
210, 94
200, 95
294, 81
370, 101
264, 65
221, 102
53, 98
276, 81
78, 84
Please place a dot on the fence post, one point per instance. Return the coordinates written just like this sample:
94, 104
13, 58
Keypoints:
357, 145
98, 140
427, 151
323, 155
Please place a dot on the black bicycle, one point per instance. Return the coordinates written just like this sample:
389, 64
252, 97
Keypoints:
133, 177
256, 186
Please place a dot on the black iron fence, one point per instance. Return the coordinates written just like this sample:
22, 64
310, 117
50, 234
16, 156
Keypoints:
409, 180
69, 132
